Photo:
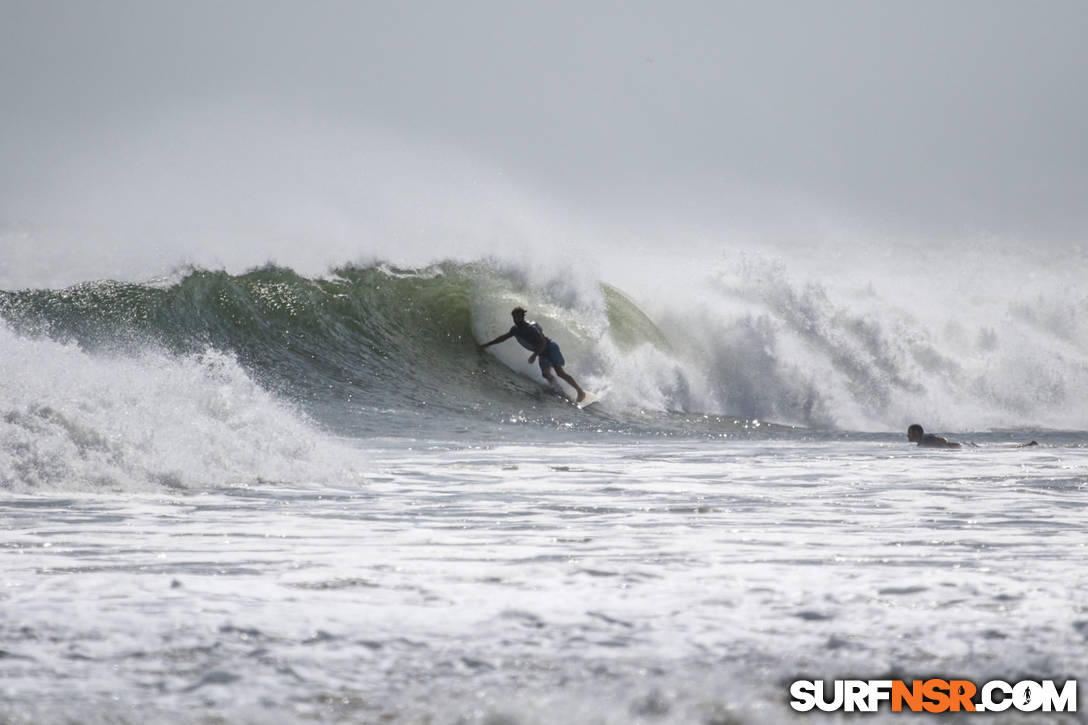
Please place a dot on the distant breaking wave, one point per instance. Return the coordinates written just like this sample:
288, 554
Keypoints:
379, 337
270, 355
219, 379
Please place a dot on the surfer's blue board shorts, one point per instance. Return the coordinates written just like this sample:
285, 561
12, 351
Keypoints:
550, 357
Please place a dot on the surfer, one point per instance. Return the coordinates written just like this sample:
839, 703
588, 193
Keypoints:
915, 434
545, 351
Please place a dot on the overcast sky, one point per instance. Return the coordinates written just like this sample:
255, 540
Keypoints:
936, 116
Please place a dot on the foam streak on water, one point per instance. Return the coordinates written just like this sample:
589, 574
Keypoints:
611, 582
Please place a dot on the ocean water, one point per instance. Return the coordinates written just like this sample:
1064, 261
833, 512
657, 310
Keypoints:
265, 495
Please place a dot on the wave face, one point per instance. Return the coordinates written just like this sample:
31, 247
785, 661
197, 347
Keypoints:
365, 338
263, 361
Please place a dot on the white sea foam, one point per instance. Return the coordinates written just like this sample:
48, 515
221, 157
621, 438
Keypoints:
754, 336
72, 420
611, 582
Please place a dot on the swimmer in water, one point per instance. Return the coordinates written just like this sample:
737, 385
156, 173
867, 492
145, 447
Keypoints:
915, 434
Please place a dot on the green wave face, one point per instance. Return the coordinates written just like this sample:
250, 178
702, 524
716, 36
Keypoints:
628, 325
372, 350
365, 334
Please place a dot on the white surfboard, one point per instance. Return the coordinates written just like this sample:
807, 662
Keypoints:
587, 401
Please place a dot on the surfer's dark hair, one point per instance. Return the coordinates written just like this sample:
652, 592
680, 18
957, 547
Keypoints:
518, 311
915, 427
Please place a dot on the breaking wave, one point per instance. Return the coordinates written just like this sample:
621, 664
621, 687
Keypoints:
268, 375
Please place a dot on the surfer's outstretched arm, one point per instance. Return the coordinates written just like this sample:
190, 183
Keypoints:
500, 338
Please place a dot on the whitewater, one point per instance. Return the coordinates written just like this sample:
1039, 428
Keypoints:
259, 471
269, 496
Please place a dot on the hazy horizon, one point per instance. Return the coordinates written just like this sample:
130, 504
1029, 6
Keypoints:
928, 120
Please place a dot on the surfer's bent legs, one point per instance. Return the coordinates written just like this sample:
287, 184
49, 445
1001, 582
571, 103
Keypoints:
547, 372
